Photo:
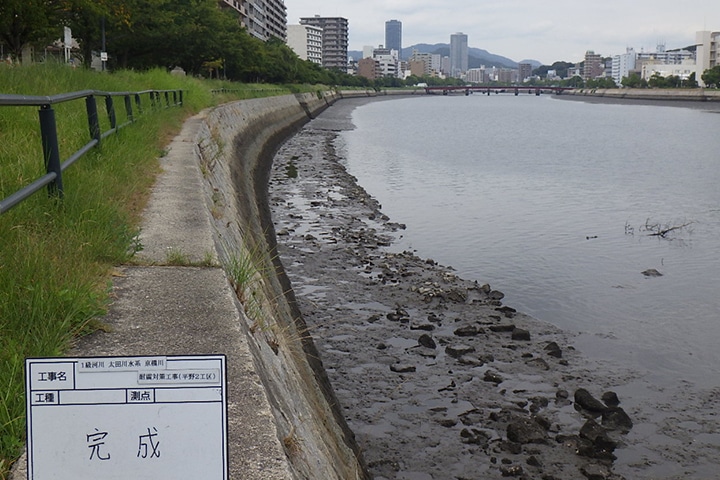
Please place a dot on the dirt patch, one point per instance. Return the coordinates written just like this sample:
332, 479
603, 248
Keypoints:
437, 377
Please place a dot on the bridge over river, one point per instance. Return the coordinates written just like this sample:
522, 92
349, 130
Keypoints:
487, 89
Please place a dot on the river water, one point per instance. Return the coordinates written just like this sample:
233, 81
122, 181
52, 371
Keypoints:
552, 202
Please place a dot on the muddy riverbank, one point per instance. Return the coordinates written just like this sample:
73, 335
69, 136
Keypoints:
437, 377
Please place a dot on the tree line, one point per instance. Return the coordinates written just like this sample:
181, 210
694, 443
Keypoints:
194, 35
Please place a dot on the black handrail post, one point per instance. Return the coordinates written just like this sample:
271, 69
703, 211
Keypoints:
128, 108
167, 98
93, 119
51, 150
110, 111
138, 103
181, 97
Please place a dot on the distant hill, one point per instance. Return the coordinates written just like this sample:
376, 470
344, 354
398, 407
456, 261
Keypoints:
476, 56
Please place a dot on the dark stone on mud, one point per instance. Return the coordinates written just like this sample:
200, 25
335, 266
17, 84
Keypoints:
434, 318
509, 312
587, 402
553, 350
472, 417
473, 436
595, 471
470, 361
457, 351
493, 377
496, 295
469, 331
600, 444
502, 328
510, 447
375, 318
615, 418
426, 327
457, 296
448, 422
381, 346
533, 461
511, 470
538, 403
402, 368
610, 399
485, 288
526, 430
427, 341
538, 363
521, 335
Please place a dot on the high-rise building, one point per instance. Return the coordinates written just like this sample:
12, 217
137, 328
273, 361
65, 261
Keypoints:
593, 67
335, 40
261, 18
306, 41
458, 54
393, 35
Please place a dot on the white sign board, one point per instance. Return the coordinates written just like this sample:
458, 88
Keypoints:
119, 418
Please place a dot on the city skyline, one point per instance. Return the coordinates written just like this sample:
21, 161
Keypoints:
522, 29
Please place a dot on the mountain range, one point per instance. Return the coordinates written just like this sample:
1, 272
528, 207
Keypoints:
476, 56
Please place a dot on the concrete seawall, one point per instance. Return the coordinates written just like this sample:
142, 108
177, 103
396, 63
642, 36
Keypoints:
237, 143
210, 205
694, 95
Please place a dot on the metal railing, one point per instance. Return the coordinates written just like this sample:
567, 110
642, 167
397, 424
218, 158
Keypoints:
48, 130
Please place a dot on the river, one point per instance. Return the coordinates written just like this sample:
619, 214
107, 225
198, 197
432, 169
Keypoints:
554, 202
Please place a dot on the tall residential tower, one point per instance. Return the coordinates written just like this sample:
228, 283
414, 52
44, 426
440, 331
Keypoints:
393, 36
458, 54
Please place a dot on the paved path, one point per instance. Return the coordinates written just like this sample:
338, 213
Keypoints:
163, 310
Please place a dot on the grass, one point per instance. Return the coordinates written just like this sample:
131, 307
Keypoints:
56, 257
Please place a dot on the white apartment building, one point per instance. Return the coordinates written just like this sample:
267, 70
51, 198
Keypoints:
306, 41
623, 64
708, 52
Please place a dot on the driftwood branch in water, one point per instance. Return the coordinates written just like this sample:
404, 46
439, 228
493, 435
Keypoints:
657, 230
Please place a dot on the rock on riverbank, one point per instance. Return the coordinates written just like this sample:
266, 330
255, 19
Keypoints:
437, 377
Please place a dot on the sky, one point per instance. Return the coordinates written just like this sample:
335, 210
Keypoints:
546, 31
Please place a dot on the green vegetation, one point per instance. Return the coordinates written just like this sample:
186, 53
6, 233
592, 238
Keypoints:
711, 77
56, 257
194, 35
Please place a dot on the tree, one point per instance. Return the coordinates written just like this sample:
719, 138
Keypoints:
633, 81
711, 77
575, 81
691, 82
25, 22
605, 82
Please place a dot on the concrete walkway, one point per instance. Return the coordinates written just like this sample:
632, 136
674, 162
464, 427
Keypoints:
185, 310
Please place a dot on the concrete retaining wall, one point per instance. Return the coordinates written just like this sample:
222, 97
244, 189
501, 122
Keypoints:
237, 143
698, 95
